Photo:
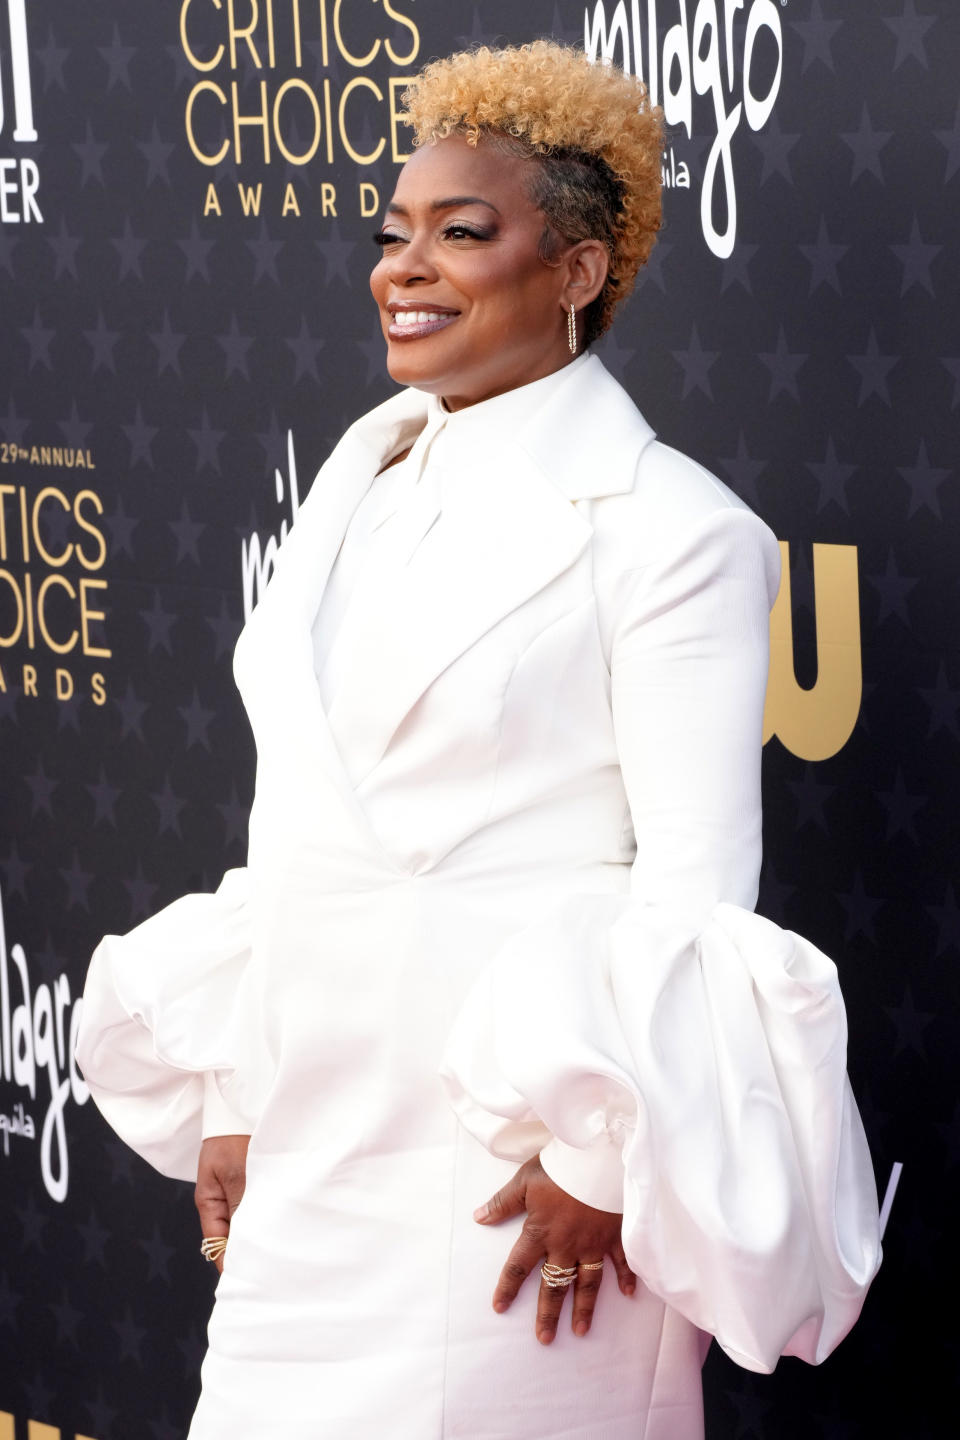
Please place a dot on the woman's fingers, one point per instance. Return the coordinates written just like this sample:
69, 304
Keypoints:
221, 1179
625, 1276
525, 1255
585, 1289
509, 1201
550, 1299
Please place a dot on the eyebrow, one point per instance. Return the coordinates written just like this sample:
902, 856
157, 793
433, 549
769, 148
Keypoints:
451, 203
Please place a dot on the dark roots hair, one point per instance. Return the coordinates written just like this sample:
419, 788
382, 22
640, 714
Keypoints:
593, 139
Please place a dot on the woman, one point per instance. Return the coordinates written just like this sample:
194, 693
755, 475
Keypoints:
507, 686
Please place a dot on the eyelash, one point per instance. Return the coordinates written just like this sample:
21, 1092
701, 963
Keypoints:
384, 237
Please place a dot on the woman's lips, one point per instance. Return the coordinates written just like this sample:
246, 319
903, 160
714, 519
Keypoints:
414, 324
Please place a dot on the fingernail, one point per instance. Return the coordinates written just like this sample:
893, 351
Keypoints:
482, 1213
499, 1306
629, 1289
581, 1327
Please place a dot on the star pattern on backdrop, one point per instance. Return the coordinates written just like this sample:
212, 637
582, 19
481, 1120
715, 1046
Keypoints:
873, 368
265, 254
168, 343
824, 257
736, 271
924, 481
910, 30
783, 365
156, 152
105, 797
950, 140
91, 152
867, 144
39, 338
140, 436
14, 871
169, 807
197, 719
186, 531
893, 587
811, 796
305, 349
196, 251
64, 247
831, 475
52, 58
916, 257
776, 147
103, 343
235, 349
335, 252
816, 34
207, 440
902, 809
129, 248
117, 57
947, 918
943, 701
696, 363
861, 910
910, 1024
159, 623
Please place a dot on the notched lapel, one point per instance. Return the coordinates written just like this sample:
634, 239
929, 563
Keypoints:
509, 529
507, 532
274, 656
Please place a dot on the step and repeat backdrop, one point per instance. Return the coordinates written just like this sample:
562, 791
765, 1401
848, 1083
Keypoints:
187, 197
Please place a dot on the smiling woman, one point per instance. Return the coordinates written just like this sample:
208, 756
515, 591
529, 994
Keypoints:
488, 1005
469, 307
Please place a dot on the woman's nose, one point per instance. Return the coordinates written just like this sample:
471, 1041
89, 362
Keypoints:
411, 262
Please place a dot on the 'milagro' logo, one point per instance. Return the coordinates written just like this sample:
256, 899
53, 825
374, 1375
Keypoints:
687, 61
258, 559
38, 1034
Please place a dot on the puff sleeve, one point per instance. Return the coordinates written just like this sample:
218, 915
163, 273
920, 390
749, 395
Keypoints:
161, 1035
688, 1056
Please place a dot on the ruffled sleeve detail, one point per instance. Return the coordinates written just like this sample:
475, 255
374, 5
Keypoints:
712, 1063
161, 1037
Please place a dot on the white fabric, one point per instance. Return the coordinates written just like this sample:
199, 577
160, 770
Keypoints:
520, 842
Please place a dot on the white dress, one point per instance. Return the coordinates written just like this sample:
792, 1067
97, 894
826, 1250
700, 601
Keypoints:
503, 857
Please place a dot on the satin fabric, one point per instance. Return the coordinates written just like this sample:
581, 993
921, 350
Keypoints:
521, 846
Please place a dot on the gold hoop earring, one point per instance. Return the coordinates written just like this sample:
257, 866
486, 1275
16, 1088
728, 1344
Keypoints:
572, 329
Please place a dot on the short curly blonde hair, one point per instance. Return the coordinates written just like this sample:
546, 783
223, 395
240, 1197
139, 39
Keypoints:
590, 126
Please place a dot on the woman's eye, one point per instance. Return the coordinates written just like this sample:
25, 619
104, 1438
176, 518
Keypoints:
387, 237
463, 232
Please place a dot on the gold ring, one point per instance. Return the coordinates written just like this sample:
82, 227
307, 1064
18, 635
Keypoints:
213, 1247
590, 1265
558, 1277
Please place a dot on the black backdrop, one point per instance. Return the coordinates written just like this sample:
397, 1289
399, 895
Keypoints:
183, 339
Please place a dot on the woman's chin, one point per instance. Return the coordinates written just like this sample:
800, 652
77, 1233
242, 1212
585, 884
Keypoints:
407, 369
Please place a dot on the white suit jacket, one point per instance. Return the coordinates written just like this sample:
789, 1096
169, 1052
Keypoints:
560, 713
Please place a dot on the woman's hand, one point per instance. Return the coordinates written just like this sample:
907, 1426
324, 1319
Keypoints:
562, 1231
221, 1178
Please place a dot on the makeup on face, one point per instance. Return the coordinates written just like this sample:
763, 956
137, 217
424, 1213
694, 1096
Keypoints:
467, 304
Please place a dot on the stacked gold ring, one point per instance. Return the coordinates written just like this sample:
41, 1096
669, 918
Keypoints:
213, 1247
558, 1277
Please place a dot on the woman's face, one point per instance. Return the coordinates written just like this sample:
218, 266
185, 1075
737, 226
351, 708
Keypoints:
460, 258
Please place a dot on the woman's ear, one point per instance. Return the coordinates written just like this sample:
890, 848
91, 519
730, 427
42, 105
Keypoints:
587, 266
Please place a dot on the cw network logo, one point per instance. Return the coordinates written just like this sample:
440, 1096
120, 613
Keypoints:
35, 1431
19, 177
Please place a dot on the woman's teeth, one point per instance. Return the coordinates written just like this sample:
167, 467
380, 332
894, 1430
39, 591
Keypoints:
417, 317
